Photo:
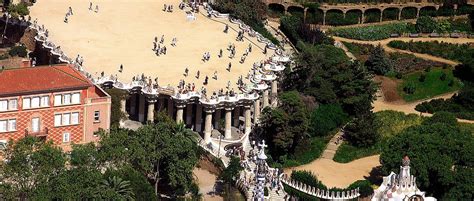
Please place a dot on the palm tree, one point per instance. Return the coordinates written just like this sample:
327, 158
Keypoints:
116, 188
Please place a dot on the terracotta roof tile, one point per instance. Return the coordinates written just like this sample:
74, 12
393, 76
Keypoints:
41, 79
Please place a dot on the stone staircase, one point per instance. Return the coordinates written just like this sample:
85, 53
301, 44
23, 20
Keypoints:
274, 196
332, 146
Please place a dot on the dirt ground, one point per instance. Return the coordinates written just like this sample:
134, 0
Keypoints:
340, 175
389, 89
206, 181
122, 32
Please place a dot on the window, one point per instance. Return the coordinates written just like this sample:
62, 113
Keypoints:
96, 115
66, 119
76, 98
57, 100
57, 119
44, 101
12, 125
3, 125
67, 99
13, 104
3, 105
66, 137
26, 103
35, 124
75, 118
35, 102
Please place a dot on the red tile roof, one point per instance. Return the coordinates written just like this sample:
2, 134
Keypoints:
41, 79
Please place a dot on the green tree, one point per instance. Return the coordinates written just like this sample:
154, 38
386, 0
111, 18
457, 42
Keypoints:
30, 163
115, 188
116, 114
426, 24
378, 62
142, 189
362, 132
437, 150
161, 151
326, 118
231, 172
285, 128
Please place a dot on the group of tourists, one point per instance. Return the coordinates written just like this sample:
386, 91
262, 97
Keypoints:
158, 49
168, 8
96, 7
69, 13
240, 36
206, 56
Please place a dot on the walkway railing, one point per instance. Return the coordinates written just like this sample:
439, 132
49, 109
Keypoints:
316, 192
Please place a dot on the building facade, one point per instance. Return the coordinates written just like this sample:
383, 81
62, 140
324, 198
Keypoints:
54, 103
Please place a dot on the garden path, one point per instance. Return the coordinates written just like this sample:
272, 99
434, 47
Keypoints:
340, 175
385, 42
402, 106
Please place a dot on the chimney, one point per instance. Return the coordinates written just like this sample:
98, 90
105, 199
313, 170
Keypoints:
25, 63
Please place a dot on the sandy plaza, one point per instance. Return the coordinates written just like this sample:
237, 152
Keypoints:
122, 33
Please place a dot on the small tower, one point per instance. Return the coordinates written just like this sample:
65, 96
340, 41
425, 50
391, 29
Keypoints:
404, 170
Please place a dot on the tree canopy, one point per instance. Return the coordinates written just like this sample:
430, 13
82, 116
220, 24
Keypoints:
441, 157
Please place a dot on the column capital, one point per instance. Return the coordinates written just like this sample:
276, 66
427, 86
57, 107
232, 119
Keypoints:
151, 99
209, 108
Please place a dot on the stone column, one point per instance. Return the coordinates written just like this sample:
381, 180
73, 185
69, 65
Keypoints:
189, 114
418, 12
151, 110
265, 98
236, 117
208, 125
248, 119
344, 14
228, 119
133, 103
362, 20
304, 14
141, 108
170, 107
381, 15
256, 112
179, 113
198, 122
324, 17
123, 106
161, 104
400, 13
217, 120
274, 91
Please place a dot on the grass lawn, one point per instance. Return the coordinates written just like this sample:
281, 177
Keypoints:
431, 86
347, 153
318, 144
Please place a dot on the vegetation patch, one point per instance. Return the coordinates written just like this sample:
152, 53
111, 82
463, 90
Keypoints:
457, 52
373, 32
347, 153
389, 123
422, 85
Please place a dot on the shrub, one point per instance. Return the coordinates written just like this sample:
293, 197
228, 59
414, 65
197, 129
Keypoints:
422, 77
443, 77
409, 88
326, 118
18, 51
365, 188
307, 178
20, 9
457, 52
399, 75
372, 32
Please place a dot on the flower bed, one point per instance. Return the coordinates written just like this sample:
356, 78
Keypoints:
373, 32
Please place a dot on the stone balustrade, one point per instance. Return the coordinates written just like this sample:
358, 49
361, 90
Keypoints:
316, 192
